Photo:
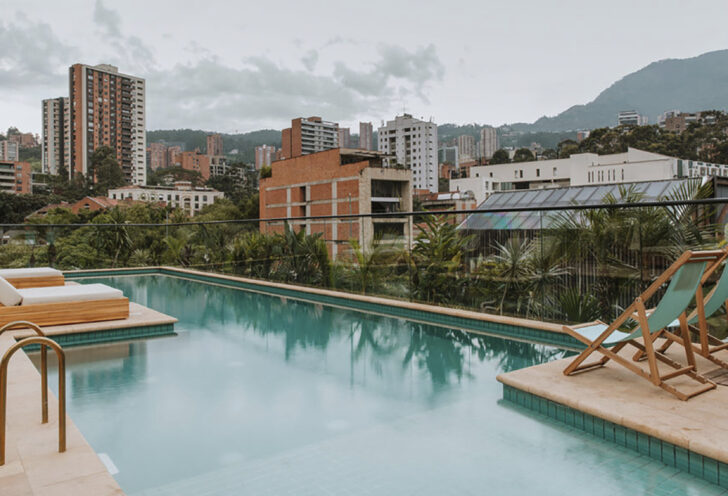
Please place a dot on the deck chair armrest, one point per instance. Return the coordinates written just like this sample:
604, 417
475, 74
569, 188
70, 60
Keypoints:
585, 324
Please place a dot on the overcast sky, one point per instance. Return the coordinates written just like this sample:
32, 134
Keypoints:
241, 66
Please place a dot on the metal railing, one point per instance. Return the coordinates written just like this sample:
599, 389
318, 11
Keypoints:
45, 343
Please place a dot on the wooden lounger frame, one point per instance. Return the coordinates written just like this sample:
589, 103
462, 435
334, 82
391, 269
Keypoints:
67, 312
638, 312
36, 282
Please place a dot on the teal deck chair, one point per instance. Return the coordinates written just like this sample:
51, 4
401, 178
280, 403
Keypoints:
707, 345
684, 278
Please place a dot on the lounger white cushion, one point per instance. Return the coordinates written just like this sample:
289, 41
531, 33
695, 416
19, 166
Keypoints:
9, 296
58, 294
34, 272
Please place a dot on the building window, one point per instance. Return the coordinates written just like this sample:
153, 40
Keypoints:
538, 172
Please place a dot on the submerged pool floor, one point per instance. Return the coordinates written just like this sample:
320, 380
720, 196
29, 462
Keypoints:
261, 395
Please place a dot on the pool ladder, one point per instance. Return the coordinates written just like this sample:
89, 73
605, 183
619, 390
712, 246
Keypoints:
45, 343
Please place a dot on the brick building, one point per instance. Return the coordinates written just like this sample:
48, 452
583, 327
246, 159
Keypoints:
158, 157
340, 181
107, 109
15, 177
195, 161
24, 140
173, 154
214, 144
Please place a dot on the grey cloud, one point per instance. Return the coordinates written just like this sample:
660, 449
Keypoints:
108, 20
127, 51
419, 67
310, 59
32, 55
263, 92
213, 95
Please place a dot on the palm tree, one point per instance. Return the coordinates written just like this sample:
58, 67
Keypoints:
368, 262
438, 262
115, 240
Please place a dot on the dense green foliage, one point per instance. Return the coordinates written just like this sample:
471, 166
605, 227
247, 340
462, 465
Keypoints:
14, 208
500, 157
523, 155
104, 170
245, 143
707, 142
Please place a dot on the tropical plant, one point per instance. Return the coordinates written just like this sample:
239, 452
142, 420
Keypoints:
437, 262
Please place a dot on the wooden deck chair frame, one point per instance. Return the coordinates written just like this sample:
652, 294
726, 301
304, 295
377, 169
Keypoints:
638, 311
36, 282
67, 312
707, 344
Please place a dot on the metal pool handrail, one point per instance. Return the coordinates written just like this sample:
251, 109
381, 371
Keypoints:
22, 324
43, 342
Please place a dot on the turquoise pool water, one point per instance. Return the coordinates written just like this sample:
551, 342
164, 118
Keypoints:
262, 395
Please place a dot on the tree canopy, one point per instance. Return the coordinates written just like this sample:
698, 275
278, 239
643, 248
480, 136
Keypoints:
500, 157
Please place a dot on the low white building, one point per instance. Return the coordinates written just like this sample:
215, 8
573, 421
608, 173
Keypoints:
182, 195
581, 169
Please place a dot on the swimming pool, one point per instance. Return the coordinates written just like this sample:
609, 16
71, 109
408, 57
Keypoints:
264, 395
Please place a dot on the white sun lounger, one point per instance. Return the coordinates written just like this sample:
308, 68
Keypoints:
35, 277
62, 304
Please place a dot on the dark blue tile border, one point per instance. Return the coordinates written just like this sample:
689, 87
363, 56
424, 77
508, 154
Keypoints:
671, 455
108, 336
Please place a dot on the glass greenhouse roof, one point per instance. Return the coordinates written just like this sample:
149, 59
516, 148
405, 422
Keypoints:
555, 197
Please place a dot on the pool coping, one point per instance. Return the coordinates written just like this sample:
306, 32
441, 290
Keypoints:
143, 322
32, 463
515, 328
620, 407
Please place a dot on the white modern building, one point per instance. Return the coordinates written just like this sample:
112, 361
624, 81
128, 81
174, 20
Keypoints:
264, 155
56, 141
488, 143
182, 195
366, 142
466, 148
632, 118
579, 170
414, 144
9, 151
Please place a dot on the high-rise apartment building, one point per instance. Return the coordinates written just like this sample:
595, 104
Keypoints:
309, 135
107, 109
214, 144
344, 137
488, 142
466, 147
158, 157
264, 156
56, 140
414, 144
9, 150
366, 141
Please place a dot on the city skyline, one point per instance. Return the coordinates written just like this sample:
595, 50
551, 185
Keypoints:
342, 71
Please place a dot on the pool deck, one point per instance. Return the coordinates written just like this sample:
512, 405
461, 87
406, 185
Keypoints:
613, 396
33, 465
